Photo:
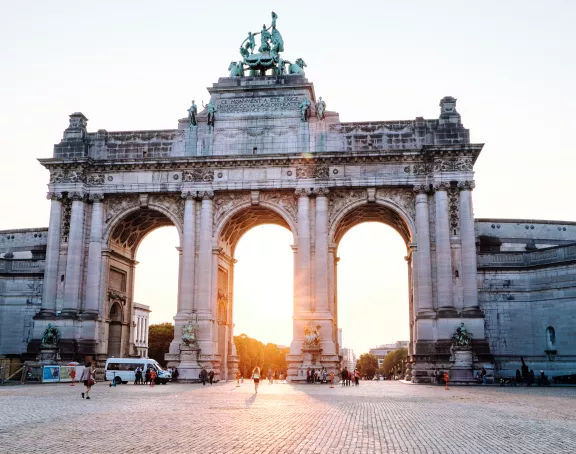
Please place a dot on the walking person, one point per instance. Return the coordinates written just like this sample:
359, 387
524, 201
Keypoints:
203, 376
153, 374
211, 376
344, 376
138, 376
356, 377
270, 377
88, 378
256, 378
147, 376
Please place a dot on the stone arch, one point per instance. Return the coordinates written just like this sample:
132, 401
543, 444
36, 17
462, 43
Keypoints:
381, 210
144, 220
386, 211
246, 216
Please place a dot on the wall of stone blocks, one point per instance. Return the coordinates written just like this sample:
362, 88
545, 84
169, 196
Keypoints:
22, 254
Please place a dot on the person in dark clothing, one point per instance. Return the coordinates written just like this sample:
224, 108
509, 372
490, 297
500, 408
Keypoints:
344, 376
203, 376
211, 376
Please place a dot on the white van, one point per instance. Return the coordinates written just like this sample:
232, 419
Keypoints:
122, 370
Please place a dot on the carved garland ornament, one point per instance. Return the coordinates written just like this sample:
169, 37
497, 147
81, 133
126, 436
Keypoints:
341, 198
312, 172
94, 179
453, 209
67, 176
198, 175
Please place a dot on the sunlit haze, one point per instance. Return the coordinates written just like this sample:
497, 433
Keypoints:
136, 65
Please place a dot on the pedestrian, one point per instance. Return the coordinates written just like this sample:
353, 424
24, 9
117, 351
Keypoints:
153, 377
238, 376
256, 378
344, 376
88, 378
356, 377
138, 376
211, 376
175, 374
203, 376
308, 375
281, 377
147, 376
483, 373
72, 376
270, 377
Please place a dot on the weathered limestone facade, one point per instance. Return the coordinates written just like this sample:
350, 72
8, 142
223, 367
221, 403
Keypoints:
258, 163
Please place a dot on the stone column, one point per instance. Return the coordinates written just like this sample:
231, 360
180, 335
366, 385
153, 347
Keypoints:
205, 254
423, 264
321, 249
74, 258
468, 239
444, 285
187, 274
94, 258
52, 255
302, 278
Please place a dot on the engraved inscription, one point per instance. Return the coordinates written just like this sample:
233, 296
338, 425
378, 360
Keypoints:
262, 104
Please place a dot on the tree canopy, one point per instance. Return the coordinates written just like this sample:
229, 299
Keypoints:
159, 338
367, 365
393, 361
254, 353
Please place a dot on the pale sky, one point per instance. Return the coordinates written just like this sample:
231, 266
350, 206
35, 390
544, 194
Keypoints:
131, 65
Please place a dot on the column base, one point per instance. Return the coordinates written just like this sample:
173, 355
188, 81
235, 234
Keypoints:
88, 315
472, 312
447, 312
69, 314
45, 315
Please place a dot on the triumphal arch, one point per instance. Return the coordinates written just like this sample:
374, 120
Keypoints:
263, 150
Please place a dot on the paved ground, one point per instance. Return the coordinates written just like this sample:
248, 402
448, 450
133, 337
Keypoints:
376, 417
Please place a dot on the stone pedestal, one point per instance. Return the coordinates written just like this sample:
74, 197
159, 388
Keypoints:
48, 355
462, 368
189, 367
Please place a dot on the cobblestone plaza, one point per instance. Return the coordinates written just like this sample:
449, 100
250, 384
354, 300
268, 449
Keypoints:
386, 417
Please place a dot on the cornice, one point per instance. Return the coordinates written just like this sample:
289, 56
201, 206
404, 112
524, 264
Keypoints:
426, 153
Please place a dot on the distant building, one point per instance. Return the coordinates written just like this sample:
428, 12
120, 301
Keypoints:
381, 351
141, 322
348, 358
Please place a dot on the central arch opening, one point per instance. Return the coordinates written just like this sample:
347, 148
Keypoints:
260, 273
373, 282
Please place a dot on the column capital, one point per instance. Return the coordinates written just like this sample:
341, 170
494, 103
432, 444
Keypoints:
421, 188
320, 192
96, 197
206, 195
442, 186
76, 196
303, 192
466, 185
54, 196
189, 195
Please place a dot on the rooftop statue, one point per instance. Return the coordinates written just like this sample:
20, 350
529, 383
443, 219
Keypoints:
320, 108
211, 108
268, 56
304, 107
192, 111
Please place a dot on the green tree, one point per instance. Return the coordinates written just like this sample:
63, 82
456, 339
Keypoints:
367, 365
159, 338
252, 353
393, 362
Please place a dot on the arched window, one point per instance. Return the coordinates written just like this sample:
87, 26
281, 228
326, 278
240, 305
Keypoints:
550, 338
